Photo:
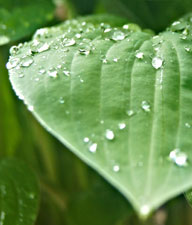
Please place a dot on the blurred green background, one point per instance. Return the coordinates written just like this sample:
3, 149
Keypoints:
71, 192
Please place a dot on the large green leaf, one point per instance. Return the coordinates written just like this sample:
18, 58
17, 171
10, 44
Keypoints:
119, 98
154, 14
19, 193
22, 17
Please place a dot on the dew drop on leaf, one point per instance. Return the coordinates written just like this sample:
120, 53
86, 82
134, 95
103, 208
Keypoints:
13, 62
27, 61
118, 36
2, 217
115, 59
31, 108
84, 51
146, 106
61, 100
122, 126
130, 113
188, 125
86, 139
66, 73
4, 40
157, 62
93, 147
109, 134
178, 157
139, 55
116, 168
70, 42
145, 210
52, 73
187, 49
43, 48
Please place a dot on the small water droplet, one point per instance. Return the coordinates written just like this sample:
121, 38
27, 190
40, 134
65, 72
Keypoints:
70, 42
178, 157
126, 26
31, 195
118, 36
84, 51
116, 168
52, 73
66, 72
42, 71
13, 50
122, 126
61, 100
139, 55
31, 108
13, 62
130, 113
78, 36
188, 125
146, 106
157, 62
107, 30
86, 139
43, 48
145, 210
115, 59
27, 61
93, 147
21, 75
109, 134
187, 49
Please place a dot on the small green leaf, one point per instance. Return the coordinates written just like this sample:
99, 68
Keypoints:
19, 193
22, 17
118, 97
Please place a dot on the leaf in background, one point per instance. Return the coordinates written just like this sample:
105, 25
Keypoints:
119, 98
153, 14
19, 193
20, 18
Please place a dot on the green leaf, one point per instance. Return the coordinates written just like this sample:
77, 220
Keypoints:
21, 18
154, 14
19, 193
119, 98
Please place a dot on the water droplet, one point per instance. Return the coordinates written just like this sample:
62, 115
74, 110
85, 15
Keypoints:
30, 108
126, 26
4, 39
84, 51
27, 61
70, 42
109, 134
145, 210
43, 48
81, 80
102, 122
2, 217
40, 33
107, 30
21, 75
116, 168
66, 72
104, 61
176, 23
52, 73
86, 139
61, 100
187, 49
178, 157
118, 36
13, 50
31, 195
115, 59
42, 71
139, 55
93, 147
13, 62
122, 126
188, 125
157, 62
146, 106
78, 36
130, 113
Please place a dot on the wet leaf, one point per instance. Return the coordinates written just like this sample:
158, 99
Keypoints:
118, 97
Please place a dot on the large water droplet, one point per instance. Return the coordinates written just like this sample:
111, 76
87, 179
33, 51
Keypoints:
146, 106
157, 62
118, 36
27, 61
178, 157
109, 134
70, 42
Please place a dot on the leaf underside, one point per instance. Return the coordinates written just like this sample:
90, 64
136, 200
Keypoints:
88, 81
19, 193
22, 17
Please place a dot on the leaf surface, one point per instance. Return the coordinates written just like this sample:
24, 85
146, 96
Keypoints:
19, 193
118, 97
